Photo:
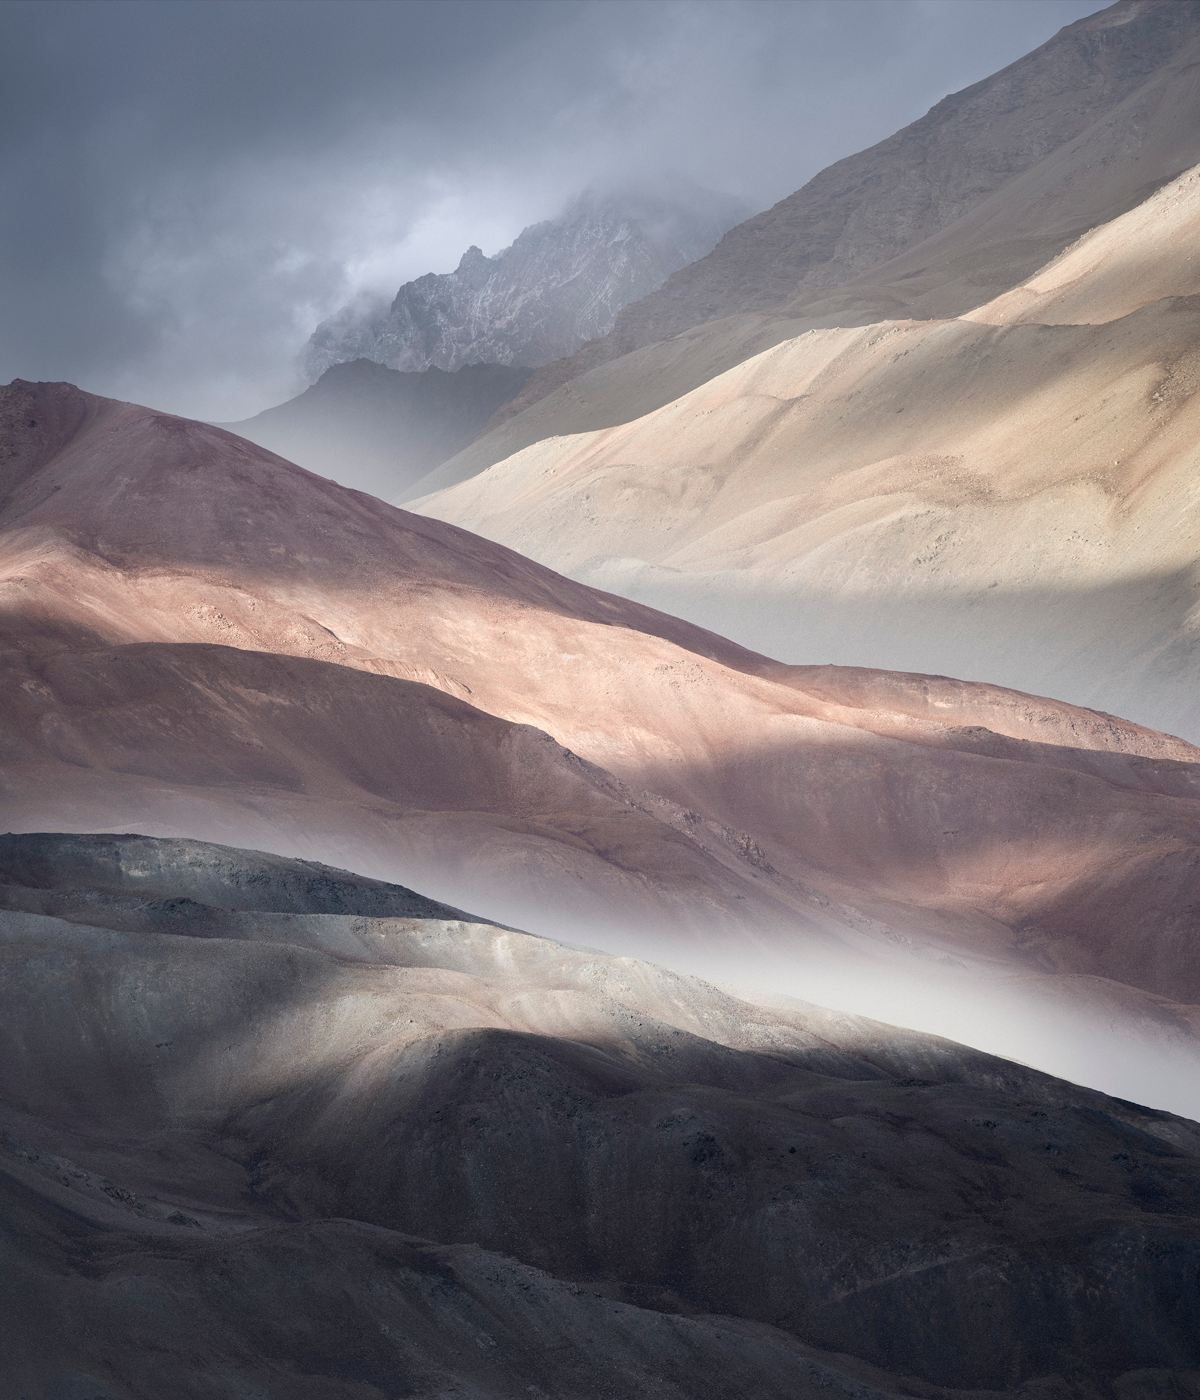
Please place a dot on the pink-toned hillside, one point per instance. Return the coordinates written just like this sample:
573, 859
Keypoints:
206, 640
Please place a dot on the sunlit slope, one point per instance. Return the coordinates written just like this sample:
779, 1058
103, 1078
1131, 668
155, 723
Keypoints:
1150, 253
963, 205
204, 640
330, 762
269, 1128
1142, 146
1009, 502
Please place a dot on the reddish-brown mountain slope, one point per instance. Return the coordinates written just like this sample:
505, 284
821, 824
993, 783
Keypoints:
206, 640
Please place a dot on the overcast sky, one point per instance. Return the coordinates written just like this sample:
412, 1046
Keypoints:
189, 187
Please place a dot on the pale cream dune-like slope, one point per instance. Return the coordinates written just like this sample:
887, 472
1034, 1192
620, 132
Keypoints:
1006, 502
1146, 255
1013, 172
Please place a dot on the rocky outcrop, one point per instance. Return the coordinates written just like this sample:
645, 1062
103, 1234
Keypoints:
127, 871
561, 283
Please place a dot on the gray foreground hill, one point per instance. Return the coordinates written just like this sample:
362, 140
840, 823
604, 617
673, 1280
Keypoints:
268, 1129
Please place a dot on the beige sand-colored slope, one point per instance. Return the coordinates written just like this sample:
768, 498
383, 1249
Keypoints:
205, 640
1144, 256
1004, 502
968, 202
265, 1130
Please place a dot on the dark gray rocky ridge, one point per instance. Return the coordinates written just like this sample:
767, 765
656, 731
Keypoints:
328, 1154
559, 284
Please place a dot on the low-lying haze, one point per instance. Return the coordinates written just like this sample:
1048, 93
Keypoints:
192, 187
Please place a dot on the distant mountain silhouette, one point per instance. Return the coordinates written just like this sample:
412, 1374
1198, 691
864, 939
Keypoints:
381, 429
406, 386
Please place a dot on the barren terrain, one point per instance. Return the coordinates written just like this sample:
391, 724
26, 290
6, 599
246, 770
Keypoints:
815, 1029
268, 1128
967, 202
1005, 496
205, 640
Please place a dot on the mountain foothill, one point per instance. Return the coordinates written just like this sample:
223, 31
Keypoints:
673, 909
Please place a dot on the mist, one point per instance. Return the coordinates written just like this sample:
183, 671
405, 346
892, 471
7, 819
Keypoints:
192, 187
1091, 1031
1088, 1030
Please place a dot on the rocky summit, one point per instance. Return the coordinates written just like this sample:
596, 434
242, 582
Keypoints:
558, 285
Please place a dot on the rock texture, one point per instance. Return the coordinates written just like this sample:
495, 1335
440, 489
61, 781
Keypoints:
259, 1137
561, 283
204, 640
270, 1128
381, 430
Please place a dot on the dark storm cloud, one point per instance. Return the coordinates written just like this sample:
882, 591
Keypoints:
189, 187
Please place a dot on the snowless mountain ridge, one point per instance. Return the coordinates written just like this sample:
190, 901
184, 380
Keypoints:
558, 285
967, 201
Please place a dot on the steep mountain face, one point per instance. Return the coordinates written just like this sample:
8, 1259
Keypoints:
203, 640
561, 283
268, 1128
865, 210
992, 183
1008, 494
381, 429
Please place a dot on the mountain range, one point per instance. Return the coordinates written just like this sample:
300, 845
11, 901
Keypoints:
966, 202
558, 284
283, 1118
996, 491
486, 949
401, 387
209, 641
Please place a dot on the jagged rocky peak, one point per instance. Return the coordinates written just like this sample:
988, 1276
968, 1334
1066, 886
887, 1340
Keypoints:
474, 268
559, 284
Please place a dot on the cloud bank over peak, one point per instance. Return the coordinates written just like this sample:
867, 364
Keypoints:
193, 187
